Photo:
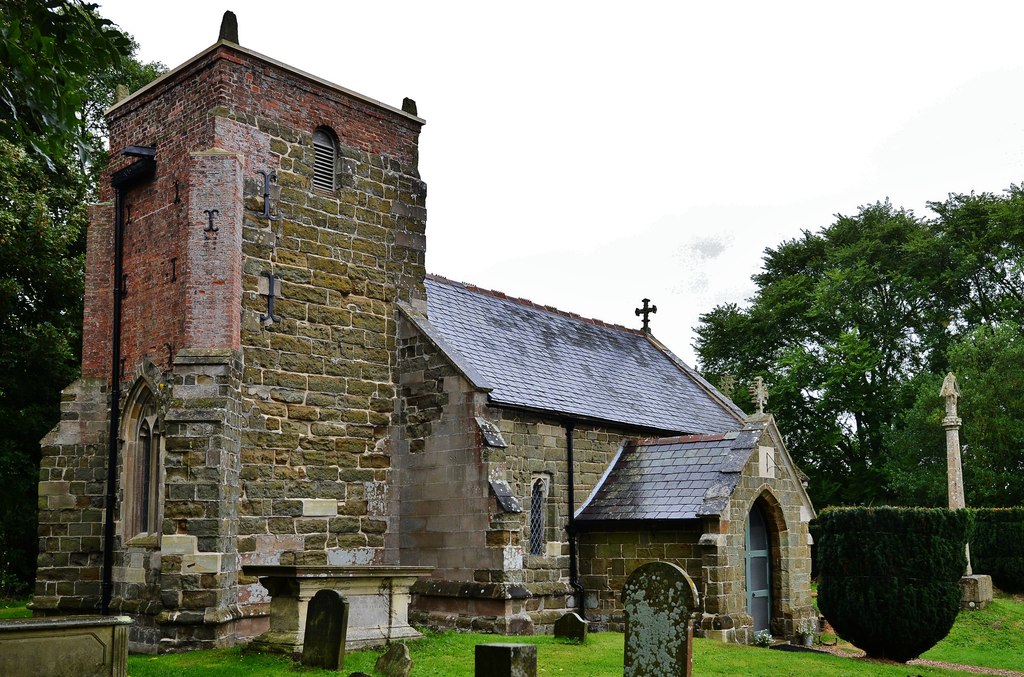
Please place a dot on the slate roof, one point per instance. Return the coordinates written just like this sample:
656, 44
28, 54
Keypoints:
542, 359
671, 478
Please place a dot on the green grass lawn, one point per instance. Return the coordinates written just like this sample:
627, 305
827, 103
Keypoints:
451, 655
991, 638
14, 608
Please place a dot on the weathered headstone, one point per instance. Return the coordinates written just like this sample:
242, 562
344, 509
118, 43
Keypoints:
571, 626
658, 599
505, 660
326, 624
395, 662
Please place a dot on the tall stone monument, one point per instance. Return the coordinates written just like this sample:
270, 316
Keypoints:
977, 590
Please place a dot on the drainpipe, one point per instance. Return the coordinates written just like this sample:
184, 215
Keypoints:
574, 581
141, 170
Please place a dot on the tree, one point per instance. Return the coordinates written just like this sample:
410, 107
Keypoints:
987, 363
61, 63
840, 320
855, 326
50, 51
42, 226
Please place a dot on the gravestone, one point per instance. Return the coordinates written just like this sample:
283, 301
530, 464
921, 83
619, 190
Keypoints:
658, 599
505, 660
571, 626
395, 662
326, 623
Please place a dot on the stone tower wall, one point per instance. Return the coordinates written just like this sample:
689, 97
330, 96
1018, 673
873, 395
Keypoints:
274, 435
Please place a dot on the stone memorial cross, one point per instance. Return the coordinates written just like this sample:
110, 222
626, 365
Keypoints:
954, 471
658, 599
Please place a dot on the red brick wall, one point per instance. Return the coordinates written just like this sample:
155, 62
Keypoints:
167, 282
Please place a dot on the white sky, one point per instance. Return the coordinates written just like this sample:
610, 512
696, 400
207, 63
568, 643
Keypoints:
586, 155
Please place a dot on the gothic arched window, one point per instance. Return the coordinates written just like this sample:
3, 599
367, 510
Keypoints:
325, 152
141, 454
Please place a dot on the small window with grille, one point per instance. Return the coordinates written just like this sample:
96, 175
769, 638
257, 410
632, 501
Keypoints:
538, 519
325, 151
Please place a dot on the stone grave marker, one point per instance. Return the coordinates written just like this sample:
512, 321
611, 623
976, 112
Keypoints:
505, 660
658, 599
395, 662
571, 626
326, 624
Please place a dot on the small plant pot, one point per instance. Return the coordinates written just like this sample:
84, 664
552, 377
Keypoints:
806, 640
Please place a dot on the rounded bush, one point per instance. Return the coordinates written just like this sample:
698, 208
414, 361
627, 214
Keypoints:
997, 547
890, 577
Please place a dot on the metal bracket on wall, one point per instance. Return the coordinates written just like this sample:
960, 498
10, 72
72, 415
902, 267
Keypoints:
267, 178
269, 317
177, 197
211, 213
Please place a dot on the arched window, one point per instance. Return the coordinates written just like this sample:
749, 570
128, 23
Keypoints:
538, 520
325, 151
141, 454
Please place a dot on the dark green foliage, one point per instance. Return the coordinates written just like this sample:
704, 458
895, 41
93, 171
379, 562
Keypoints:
49, 51
890, 577
60, 64
42, 228
997, 547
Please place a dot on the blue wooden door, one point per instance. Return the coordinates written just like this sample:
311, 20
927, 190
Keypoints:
758, 556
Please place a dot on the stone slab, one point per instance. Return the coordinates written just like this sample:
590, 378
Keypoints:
72, 646
505, 660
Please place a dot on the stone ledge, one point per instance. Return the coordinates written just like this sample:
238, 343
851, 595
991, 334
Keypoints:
462, 589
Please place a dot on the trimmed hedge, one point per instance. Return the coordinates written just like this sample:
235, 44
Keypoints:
997, 547
890, 577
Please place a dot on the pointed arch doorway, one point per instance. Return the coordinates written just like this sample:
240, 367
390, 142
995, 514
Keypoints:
758, 569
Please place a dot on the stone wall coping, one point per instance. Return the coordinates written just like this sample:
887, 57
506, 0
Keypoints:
287, 571
228, 45
62, 622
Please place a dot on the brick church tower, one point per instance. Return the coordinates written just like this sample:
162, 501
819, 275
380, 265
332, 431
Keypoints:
257, 227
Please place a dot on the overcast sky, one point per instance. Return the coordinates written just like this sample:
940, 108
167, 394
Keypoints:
586, 155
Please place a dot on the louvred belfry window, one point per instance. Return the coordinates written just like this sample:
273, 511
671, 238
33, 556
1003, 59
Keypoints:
325, 152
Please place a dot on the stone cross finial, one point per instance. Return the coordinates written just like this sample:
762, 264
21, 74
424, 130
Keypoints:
759, 394
727, 385
646, 311
950, 392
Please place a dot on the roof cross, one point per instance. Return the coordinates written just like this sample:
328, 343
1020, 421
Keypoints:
759, 394
646, 311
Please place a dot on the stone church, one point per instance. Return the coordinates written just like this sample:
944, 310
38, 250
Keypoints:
292, 388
